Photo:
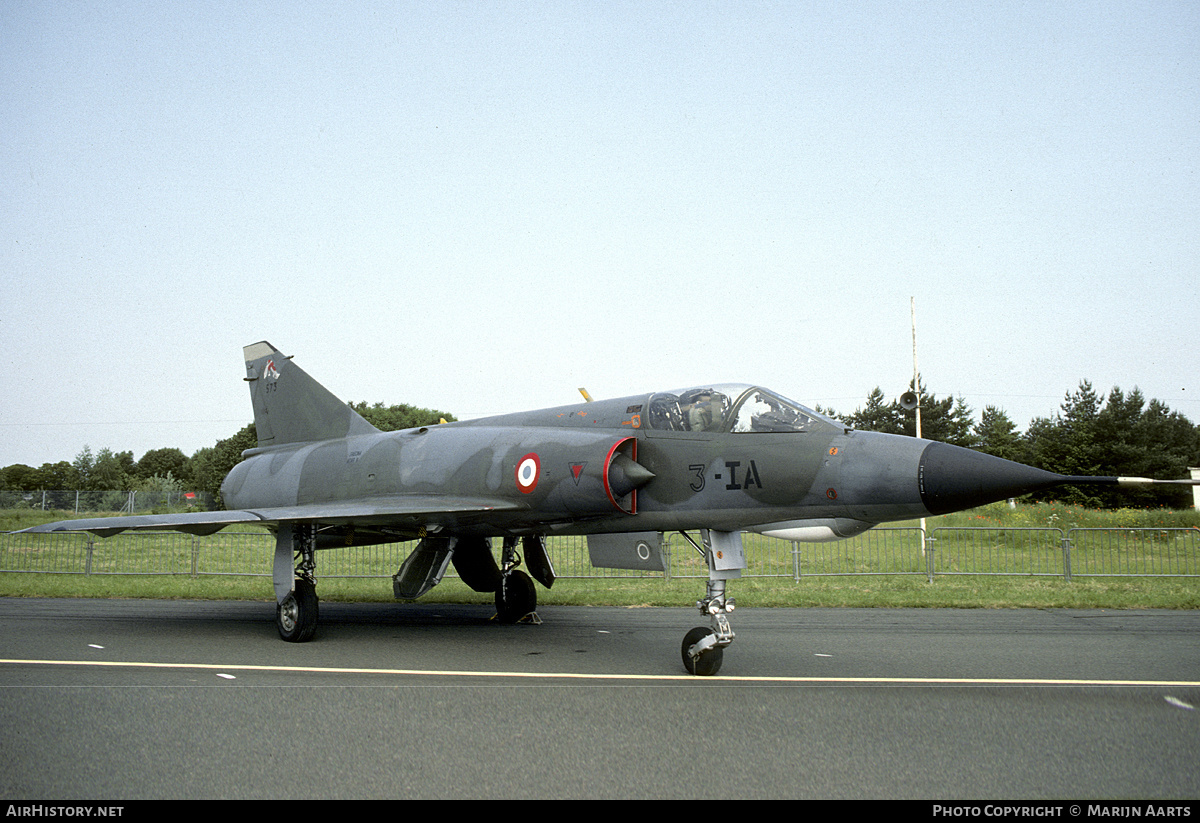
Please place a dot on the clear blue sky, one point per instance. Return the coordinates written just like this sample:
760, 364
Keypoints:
479, 206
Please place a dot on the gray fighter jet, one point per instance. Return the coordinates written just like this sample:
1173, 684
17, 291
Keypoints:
716, 461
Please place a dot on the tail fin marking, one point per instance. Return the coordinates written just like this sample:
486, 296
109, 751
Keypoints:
291, 407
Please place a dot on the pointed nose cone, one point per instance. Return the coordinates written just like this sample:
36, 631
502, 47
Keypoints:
952, 479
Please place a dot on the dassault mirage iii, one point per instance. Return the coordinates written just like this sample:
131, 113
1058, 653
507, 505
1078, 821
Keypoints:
717, 461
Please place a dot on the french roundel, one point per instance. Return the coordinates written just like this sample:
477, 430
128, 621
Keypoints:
528, 470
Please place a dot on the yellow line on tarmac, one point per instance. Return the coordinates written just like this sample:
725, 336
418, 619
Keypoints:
868, 681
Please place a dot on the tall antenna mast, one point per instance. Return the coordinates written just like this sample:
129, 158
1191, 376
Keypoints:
912, 304
916, 374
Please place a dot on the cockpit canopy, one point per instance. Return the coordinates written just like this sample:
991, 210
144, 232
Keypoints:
732, 408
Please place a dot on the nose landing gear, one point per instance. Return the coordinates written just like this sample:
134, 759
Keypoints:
703, 648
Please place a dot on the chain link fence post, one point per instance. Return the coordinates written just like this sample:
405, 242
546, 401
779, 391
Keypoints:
927, 542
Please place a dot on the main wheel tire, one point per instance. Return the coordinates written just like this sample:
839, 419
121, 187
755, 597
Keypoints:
709, 661
515, 598
296, 616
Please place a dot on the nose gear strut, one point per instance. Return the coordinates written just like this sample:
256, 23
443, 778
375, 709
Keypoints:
703, 648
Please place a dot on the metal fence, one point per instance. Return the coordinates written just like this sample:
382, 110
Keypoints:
887, 551
78, 501
1110, 552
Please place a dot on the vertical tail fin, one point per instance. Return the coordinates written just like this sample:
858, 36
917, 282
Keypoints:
291, 407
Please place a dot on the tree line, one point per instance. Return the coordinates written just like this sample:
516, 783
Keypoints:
169, 469
1121, 434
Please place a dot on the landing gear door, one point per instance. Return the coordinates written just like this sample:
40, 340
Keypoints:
632, 550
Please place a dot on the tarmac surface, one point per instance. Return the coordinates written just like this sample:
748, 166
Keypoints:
128, 699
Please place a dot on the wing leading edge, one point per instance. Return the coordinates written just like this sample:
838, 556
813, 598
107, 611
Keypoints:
374, 512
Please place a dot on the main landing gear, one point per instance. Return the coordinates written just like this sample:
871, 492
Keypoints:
296, 599
296, 616
516, 598
295, 585
703, 648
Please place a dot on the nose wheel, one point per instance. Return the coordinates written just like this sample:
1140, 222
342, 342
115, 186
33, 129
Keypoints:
703, 648
701, 654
